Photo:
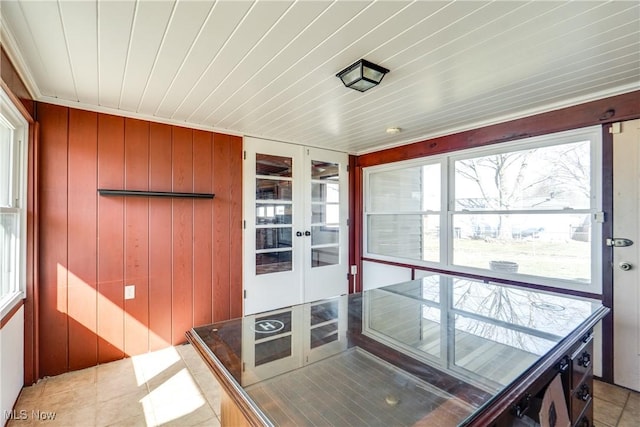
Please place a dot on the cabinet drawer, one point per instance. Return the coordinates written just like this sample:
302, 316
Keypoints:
580, 399
586, 419
581, 363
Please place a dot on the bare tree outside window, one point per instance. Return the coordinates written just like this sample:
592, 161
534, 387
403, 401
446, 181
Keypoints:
528, 203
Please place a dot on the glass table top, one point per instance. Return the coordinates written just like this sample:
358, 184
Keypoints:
434, 349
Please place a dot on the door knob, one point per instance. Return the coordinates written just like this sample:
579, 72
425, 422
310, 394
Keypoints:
299, 233
307, 233
625, 266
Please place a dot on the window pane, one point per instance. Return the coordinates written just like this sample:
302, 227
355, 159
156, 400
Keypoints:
412, 189
405, 236
273, 214
547, 245
8, 252
6, 180
321, 235
555, 177
273, 165
325, 192
325, 256
325, 214
324, 170
273, 262
272, 238
271, 189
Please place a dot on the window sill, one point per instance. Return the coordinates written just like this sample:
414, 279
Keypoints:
9, 306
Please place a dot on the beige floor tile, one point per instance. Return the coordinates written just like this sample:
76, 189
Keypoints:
606, 413
203, 414
118, 386
32, 392
610, 393
633, 403
120, 409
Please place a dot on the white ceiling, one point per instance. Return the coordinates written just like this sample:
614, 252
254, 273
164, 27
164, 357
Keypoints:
267, 68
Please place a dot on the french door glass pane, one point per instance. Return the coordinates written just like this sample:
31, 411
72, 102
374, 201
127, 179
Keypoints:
274, 198
324, 170
323, 235
273, 262
268, 165
273, 238
325, 256
325, 213
273, 214
546, 245
273, 189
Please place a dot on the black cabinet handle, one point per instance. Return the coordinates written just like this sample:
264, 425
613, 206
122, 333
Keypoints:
521, 408
563, 364
584, 360
583, 393
299, 233
307, 233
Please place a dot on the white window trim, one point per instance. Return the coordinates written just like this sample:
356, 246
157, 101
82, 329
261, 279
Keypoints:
593, 133
21, 132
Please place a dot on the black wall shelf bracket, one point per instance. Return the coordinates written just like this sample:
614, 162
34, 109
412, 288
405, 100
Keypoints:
105, 192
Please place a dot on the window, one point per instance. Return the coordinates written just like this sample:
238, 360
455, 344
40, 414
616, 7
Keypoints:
526, 210
13, 184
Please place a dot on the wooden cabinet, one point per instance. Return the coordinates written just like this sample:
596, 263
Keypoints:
581, 403
576, 371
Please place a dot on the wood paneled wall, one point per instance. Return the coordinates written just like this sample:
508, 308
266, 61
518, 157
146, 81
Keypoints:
183, 255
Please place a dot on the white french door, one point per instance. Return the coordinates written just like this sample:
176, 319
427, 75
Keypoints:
295, 235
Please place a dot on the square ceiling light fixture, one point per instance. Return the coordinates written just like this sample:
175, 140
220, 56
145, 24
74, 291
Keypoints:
362, 75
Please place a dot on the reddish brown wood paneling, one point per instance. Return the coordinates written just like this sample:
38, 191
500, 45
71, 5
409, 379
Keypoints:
110, 254
182, 181
53, 239
235, 226
182, 255
81, 264
202, 227
221, 221
15, 84
31, 363
160, 235
136, 236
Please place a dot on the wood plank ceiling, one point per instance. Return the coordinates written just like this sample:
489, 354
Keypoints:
267, 68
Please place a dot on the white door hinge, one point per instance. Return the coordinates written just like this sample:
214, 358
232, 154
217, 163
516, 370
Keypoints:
599, 217
244, 154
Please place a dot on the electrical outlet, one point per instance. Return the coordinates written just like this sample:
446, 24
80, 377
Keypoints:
129, 291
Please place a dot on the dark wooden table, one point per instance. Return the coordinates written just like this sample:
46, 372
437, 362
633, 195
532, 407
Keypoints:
441, 350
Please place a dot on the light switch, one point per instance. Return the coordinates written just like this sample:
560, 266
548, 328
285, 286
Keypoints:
129, 291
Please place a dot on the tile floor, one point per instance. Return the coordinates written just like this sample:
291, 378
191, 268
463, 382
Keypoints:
171, 387
615, 406
141, 391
